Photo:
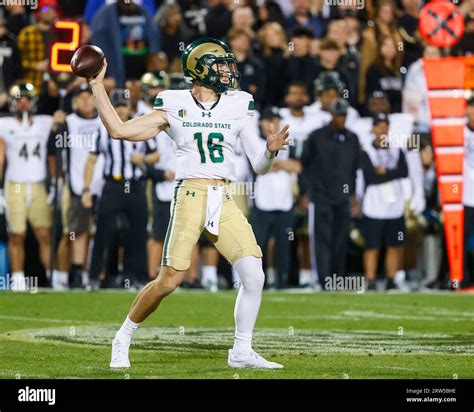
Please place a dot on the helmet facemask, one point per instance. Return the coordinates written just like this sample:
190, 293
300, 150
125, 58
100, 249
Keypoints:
211, 63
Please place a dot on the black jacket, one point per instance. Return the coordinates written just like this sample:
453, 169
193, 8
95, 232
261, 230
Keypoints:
330, 160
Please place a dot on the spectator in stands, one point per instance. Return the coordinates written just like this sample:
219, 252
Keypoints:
252, 77
34, 42
243, 18
93, 6
384, 25
349, 61
71, 9
274, 57
383, 167
466, 46
415, 92
17, 17
194, 14
219, 18
384, 74
127, 35
301, 66
10, 63
303, 17
270, 11
330, 54
408, 29
174, 33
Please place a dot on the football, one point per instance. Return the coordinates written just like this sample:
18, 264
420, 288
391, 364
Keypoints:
87, 61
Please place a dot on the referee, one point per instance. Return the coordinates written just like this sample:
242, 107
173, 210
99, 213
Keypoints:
123, 194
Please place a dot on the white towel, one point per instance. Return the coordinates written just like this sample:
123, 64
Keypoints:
213, 209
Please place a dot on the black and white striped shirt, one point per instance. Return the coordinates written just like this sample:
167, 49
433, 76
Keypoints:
118, 154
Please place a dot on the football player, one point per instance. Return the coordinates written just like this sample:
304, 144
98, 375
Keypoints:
205, 123
23, 144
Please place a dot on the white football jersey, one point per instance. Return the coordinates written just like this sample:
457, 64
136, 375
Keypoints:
206, 139
82, 134
26, 148
301, 127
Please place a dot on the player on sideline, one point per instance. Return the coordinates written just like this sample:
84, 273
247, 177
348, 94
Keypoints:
205, 123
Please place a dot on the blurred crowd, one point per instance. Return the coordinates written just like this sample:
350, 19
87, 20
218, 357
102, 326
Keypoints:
356, 194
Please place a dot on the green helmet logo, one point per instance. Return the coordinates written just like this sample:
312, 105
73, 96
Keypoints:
211, 62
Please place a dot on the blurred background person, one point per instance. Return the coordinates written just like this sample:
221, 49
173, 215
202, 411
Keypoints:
331, 191
174, 33
23, 148
126, 33
34, 43
384, 74
271, 215
383, 167
274, 54
468, 195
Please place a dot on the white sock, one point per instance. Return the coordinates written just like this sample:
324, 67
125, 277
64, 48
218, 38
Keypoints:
18, 281
60, 280
271, 276
127, 329
399, 277
248, 300
209, 276
305, 277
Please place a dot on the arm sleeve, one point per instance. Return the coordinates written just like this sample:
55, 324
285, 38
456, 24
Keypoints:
256, 150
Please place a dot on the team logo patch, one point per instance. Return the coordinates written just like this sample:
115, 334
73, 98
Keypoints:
158, 103
182, 113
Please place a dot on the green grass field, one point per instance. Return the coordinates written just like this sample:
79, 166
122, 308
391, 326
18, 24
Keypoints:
317, 336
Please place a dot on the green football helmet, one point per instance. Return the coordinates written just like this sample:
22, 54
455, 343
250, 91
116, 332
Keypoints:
159, 79
20, 90
152, 81
199, 58
328, 80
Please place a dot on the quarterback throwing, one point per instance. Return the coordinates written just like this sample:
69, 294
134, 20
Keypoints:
205, 123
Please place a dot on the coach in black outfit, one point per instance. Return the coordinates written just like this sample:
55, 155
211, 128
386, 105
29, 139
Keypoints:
330, 161
123, 195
